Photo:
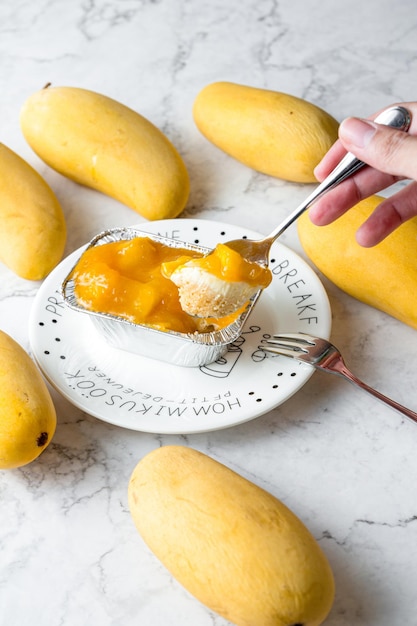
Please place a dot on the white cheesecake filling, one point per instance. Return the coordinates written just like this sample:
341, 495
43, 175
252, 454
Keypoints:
205, 295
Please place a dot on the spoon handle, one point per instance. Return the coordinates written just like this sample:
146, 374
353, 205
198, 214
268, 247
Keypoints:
397, 117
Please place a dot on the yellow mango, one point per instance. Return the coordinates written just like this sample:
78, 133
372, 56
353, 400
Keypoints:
384, 276
28, 417
100, 143
271, 132
32, 224
231, 544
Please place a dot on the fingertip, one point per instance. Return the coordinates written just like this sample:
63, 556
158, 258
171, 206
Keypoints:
329, 161
355, 132
319, 172
362, 240
368, 237
314, 216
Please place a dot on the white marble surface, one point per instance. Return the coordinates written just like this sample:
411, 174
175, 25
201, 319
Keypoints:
343, 462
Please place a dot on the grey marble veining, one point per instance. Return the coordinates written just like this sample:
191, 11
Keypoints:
344, 463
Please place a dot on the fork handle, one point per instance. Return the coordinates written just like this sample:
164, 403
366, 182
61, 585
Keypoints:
339, 367
397, 117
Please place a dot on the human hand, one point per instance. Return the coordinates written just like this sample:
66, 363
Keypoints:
392, 156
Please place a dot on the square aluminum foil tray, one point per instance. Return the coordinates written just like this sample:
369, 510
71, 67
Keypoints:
189, 350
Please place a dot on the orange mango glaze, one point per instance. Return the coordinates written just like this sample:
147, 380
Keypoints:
227, 264
124, 278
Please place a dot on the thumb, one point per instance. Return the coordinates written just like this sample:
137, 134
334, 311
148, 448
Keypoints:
383, 148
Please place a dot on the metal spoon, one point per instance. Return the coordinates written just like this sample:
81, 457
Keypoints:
258, 251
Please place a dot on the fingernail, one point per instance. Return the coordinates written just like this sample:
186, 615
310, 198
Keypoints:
357, 132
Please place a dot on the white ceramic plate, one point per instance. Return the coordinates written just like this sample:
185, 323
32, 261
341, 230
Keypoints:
151, 396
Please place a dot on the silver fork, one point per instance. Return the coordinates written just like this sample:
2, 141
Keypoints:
323, 355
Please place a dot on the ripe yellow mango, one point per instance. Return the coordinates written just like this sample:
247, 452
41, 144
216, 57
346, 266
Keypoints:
231, 544
100, 143
271, 132
32, 224
28, 417
384, 276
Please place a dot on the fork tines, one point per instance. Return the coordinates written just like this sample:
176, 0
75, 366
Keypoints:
288, 344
